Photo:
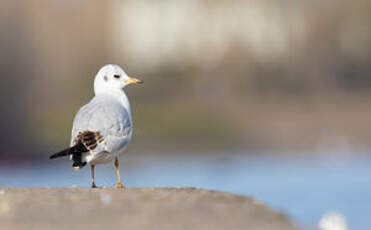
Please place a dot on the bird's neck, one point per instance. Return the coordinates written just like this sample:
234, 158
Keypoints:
119, 95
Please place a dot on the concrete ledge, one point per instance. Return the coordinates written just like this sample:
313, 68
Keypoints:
134, 208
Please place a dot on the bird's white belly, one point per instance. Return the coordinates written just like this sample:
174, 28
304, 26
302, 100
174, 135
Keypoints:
100, 158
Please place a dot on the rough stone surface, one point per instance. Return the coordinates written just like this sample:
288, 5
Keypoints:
135, 208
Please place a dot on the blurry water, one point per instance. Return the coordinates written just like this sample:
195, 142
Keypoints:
302, 188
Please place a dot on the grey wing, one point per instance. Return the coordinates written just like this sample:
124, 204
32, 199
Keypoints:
107, 117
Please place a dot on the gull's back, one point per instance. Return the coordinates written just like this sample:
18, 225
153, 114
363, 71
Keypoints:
105, 115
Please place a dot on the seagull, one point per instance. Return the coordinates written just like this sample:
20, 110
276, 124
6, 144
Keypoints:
102, 128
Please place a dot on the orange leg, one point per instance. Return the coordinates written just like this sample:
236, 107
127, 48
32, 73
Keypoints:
119, 184
92, 177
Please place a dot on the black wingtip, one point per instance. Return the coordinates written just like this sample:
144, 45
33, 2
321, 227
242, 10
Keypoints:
78, 165
63, 153
76, 151
53, 156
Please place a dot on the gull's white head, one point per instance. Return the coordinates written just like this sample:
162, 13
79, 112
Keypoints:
112, 78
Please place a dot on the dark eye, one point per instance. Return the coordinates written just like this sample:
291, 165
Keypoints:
116, 76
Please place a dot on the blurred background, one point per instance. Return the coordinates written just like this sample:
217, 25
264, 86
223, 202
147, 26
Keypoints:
268, 98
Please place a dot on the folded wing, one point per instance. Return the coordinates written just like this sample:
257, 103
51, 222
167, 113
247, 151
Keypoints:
106, 116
